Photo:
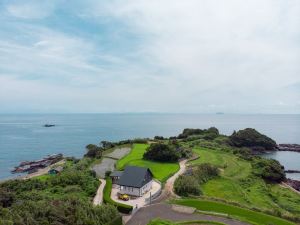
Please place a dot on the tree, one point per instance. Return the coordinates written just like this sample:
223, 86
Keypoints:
93, 151
162, 152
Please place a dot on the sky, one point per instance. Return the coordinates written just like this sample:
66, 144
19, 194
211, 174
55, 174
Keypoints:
119, 56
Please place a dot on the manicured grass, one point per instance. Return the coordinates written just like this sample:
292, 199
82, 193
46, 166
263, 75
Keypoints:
161, 171
241, 213
237, 184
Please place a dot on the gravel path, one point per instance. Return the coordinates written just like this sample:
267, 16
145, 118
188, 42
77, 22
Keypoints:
99, 196
164, 211
107, 164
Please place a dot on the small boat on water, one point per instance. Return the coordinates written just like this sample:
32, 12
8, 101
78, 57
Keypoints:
49, 125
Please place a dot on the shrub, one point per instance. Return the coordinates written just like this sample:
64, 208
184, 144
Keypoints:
186, 185
162, 152
251, 138
123, 208
269, 169
205, 172
93, 151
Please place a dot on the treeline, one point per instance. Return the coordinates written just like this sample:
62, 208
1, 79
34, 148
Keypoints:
65, 211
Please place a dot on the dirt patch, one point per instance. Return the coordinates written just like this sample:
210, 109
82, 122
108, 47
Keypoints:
107, 164
119, 153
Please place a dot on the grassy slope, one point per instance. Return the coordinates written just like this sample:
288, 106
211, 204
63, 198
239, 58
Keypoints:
237, 184
135, 158
243, 214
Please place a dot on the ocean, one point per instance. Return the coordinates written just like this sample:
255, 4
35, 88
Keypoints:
23, 137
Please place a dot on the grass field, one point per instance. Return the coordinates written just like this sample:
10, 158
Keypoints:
161, 171
240, 213
237, 184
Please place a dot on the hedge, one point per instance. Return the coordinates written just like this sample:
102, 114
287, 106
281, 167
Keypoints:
123, 208
116, 221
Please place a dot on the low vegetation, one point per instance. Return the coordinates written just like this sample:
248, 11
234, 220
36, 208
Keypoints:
54, 199
269, 169
189, 184
186, 185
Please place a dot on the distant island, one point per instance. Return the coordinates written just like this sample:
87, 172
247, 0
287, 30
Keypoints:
199, 171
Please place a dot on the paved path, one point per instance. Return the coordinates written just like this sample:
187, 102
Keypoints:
164, 211
168, 192
99, 196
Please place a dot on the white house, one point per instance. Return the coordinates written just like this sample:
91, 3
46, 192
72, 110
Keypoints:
135, 181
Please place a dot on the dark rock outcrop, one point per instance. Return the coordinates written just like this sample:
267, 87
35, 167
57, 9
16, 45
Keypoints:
289, 147
293, 183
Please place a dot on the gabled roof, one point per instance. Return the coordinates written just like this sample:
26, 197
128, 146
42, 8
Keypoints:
134, 176
116, 174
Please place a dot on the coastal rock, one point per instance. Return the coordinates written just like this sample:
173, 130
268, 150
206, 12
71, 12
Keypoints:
289, 147
294, 184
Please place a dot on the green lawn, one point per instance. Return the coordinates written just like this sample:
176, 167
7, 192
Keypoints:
161, 171
237, 184
240, 213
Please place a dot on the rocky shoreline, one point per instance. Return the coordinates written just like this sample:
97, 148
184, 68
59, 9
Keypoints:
288, 147
295, 184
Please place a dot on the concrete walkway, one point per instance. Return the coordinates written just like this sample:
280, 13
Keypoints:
99, 196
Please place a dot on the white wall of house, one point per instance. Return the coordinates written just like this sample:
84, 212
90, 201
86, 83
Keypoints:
136, 191
146, 187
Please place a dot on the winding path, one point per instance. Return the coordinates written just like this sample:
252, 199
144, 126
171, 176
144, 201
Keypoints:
99, 196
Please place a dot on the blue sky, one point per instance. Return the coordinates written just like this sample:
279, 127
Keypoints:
150, 56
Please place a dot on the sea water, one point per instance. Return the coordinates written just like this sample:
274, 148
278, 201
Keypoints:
23, 137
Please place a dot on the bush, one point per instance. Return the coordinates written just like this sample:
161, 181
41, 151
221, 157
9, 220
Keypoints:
269, 169
162, 152
93, 151
123, 208
205, 172
251, 138
186, 185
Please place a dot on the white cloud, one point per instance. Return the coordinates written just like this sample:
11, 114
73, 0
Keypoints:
31, 9
193, 56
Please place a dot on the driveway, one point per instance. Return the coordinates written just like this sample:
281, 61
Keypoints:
164, 211
99, 196
139, 201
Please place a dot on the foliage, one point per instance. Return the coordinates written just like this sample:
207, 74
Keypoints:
241, 213
186, 185
208, 134
6, 198
251, 138
93, 151
269, 169
237, 183
159, 138
162, 152
205, 172
67, 211
107, 199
